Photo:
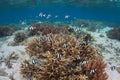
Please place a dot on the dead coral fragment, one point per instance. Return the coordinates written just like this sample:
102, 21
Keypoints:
62, 57
11, 57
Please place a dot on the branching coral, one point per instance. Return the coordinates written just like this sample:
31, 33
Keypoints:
19, 37
95, 69
43, 28
60, 57
8, 59
8, 30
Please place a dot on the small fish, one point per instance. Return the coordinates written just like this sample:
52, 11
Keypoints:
31, 28
39, 39
56, 16
78, 58
48, 16
44, 15
23, 23
67, 16
58, 55
34, 61
41, 14
92, 71
82, 25
84, 62
47, 38
40, 22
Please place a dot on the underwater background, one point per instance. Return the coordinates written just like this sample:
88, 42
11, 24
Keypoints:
12, 11
59, 39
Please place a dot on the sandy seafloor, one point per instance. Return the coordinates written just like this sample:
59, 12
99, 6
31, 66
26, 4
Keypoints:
108, 50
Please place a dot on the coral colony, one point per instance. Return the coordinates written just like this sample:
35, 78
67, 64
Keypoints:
58, 52
56, 56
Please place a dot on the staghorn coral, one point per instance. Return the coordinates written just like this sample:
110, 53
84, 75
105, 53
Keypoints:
60, 57
95, 69
29, 70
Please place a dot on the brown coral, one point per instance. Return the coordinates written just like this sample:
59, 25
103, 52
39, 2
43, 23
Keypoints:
45, 28
59, 57
8, 30
19, 37
95, 69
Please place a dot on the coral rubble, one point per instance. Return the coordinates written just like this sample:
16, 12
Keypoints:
8, 59
62, 57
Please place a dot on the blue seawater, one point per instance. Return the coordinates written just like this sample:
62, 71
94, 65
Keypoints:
28, 12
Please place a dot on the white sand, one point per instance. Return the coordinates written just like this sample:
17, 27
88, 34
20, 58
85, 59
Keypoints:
5, 51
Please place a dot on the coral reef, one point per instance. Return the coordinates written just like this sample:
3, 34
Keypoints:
62, 57
84, 35
114, 33
8, 30
19, 37
10, 58
89, 24
95, 69
81, 23
37, 29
